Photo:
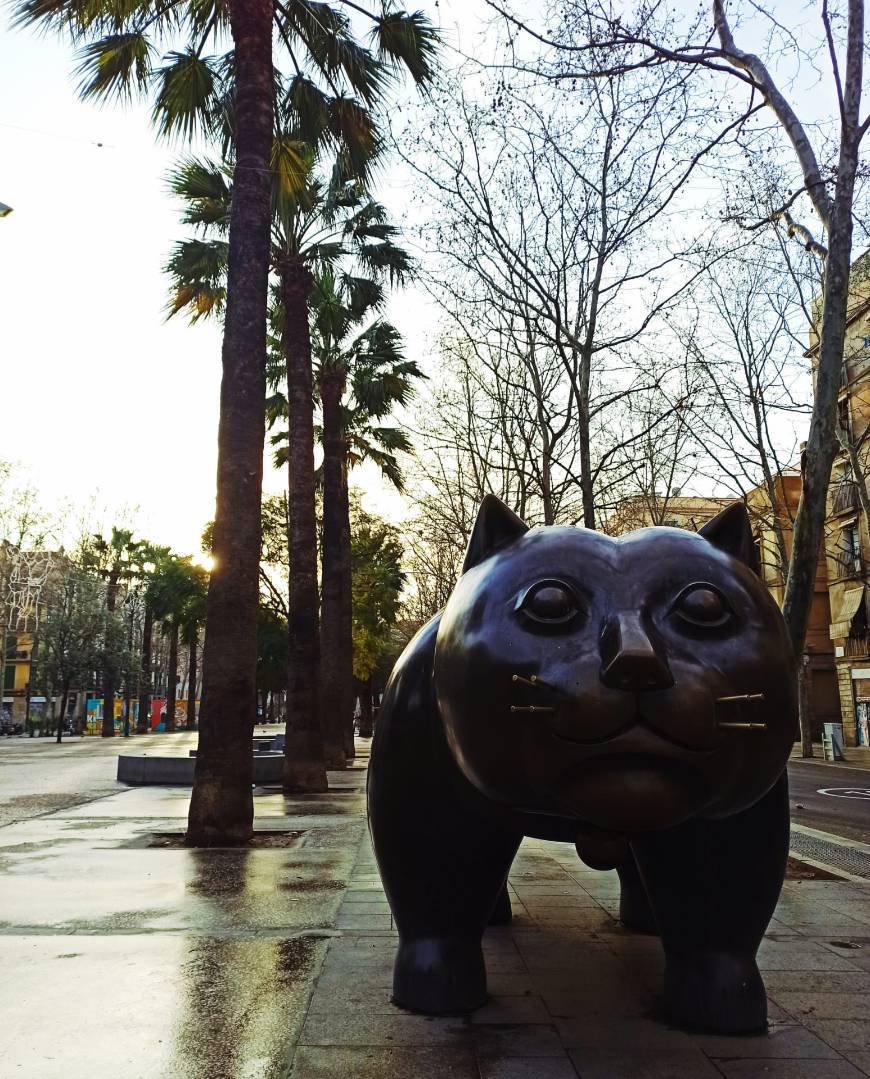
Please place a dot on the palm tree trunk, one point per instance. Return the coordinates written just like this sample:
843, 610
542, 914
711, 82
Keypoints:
346, 638
143, 725
366, 721
192, 675
63, 704
304, 766
108, 726
332, 672
222, 804
172, 677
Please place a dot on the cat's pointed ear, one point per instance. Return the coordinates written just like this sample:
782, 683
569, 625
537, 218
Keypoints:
731, 532
495, 527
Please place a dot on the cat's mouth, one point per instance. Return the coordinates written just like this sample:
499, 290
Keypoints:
644, 732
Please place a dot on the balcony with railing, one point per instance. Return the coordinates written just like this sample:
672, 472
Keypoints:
848, 566
845, 498
857, 646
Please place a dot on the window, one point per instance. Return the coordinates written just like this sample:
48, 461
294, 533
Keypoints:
844, 417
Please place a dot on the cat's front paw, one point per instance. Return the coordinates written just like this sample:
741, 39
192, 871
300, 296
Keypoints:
715, 992
439, 975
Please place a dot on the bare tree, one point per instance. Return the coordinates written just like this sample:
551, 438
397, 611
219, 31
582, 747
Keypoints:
556, 223
596, 39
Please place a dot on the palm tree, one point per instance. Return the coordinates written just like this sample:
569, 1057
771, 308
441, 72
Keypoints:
112, 560
149, 559
176, 596
232, 96
371, 364
317, 226
191, 619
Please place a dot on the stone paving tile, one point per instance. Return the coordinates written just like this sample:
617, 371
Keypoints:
800, 955
568, 901
615, 1032
782, 1040
851, 1035
826, 1005
527, 1068
860, 1060
365, 922
397, 1029
621, 1064
516, 1040
516, 1009
788, 1069
810, 981
334, 1062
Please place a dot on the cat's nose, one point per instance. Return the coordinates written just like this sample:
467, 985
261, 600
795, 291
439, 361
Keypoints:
629, 660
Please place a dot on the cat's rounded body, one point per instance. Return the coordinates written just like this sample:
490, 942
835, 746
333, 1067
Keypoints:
635, 696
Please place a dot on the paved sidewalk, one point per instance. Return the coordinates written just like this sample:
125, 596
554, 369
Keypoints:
122, 960
572, 991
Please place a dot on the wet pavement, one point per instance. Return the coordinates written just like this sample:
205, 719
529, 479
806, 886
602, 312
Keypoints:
126, 961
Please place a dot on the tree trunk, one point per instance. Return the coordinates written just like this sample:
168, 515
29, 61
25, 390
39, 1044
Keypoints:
108, 725
128, 704
822, 444
143, 725
109, 673
805, 716
304, 766
332, 667
366, 721
172, 677
192, 675
62, 717
346, 639
222, 804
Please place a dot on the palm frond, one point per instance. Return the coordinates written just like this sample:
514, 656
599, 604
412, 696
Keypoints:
206, 190
365, 74
188, 98
115, 66
291, 164
203, 17
355, 133
363, 295
409, 40
197, 270
385, 259
305, 110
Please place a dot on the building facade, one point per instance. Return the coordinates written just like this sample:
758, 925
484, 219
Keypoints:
847, 540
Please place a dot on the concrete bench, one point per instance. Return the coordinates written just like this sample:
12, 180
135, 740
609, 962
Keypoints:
142, 771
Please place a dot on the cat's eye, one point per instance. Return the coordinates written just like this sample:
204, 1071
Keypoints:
550, 603
702, 605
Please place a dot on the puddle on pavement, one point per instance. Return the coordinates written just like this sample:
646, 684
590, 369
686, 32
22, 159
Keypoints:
260, 841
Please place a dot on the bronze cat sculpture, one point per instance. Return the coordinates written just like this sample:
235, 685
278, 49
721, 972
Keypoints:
634, 696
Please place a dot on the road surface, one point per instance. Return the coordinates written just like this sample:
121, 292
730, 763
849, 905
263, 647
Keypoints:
843, 812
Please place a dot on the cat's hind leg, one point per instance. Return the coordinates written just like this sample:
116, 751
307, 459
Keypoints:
635, 909
714, 885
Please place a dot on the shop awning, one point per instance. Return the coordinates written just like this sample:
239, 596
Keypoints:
844, 611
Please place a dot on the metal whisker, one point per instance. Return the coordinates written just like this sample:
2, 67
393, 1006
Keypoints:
744, 726
532, 680
531, 708
740, 697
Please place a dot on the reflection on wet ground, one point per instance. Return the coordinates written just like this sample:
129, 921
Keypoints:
186, 964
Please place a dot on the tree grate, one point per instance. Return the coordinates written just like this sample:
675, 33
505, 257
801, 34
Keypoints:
832, 854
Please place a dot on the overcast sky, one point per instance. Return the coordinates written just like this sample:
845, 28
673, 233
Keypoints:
100, 395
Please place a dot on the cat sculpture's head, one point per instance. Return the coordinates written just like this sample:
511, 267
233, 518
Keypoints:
626, 683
